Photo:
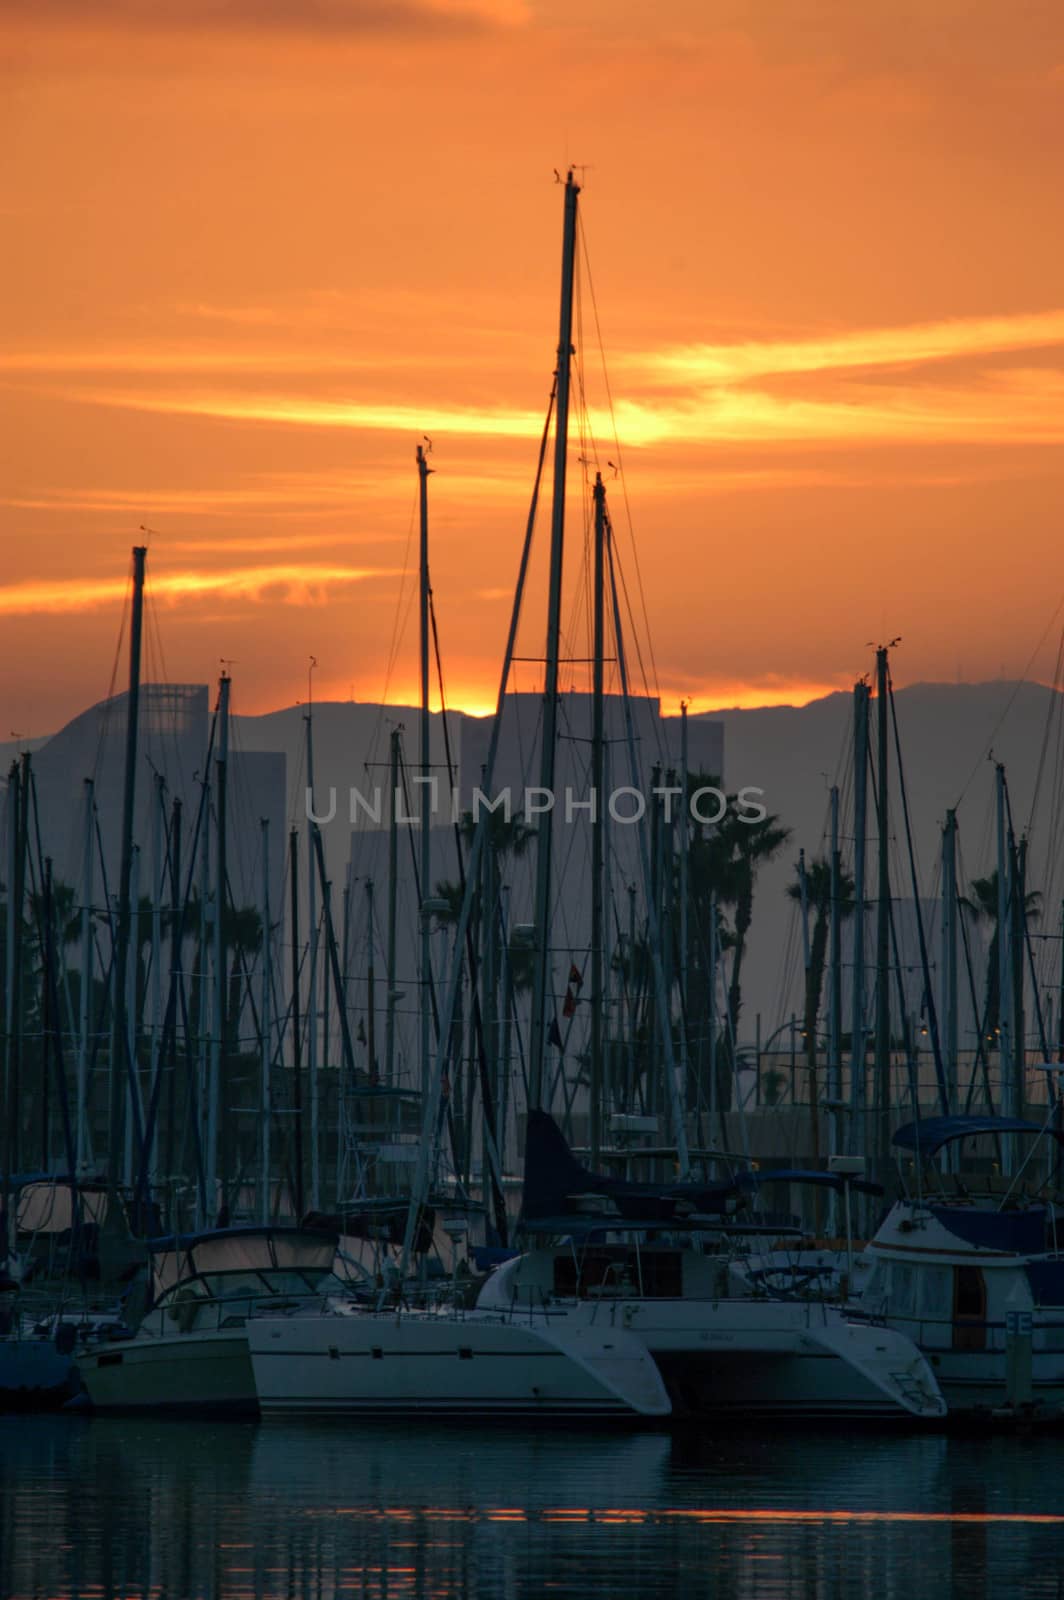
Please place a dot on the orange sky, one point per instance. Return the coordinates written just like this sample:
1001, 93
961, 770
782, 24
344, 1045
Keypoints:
257, 248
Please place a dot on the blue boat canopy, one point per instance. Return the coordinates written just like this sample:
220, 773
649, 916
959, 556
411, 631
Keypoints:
933, 1132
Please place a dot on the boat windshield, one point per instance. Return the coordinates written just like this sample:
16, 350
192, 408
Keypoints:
265, 1285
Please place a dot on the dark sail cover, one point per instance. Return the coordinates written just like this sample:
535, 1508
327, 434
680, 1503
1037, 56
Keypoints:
554, 1179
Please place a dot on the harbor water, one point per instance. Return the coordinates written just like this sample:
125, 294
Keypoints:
94, 1508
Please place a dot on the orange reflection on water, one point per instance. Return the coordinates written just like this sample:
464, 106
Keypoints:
751, 1515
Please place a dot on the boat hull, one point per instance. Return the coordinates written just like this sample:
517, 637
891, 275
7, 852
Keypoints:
387, 1365
34, 1375
777, 1359
190, 1372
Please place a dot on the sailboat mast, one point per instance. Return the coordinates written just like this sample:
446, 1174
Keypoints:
86, 976
949, 952
425, 919
685, 850
598, 803
835, 1011
267, 1100
297, 1043
120, 1066
1008, 1108
371, 1000
214, 1090
544, 831
882, 1057
393, 888
858, 1129
312, 936
158, 877
11, 987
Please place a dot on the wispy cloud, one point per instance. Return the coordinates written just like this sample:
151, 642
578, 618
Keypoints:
163, 359
858, 348
308, 411
303, 16
1019, 405
293, 585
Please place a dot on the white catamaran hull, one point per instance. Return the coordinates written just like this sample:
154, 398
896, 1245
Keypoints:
778, 1359
443, 1365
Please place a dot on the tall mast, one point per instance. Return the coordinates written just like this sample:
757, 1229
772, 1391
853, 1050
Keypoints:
158, 878
1018, 939
1060, 993
267, 1098
424, 995
312, 936
949, 952
834, 1073
882, 1057
82, 1144
598, 800
371, 999
133, 1087
544, 831
178, 906
393, 876
215, 1087
297, 1043
11, 991
1008, 1107
206, 1208
858, 1129
835, 1011
685, 849
121, 1066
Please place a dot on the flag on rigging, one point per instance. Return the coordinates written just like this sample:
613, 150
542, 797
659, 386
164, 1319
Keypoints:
569, 1008
575, 975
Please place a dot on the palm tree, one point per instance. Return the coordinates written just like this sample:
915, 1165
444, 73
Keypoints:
981, 905
817, 896
752, 844
506, 835
723, 859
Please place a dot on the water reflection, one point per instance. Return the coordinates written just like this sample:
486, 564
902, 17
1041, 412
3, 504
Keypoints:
101, 1508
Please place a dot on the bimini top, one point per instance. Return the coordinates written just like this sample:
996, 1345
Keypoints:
933, 1132
247, 1249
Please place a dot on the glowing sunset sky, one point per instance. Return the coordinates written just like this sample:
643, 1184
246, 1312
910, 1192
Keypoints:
256, 249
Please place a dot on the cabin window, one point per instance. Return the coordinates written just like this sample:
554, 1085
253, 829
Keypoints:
932, 1293
969, 1309
878, 1285
902, 1284
619, 1272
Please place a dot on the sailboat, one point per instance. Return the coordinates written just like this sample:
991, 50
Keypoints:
191, 1350
972, 1271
